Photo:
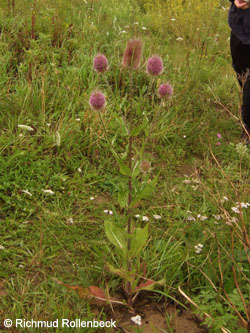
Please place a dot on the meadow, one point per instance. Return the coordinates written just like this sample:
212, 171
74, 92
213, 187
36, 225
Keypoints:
67, 171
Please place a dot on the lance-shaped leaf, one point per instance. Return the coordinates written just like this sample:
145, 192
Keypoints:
138, 241
117, 236
124, 169
147, 285
145, 191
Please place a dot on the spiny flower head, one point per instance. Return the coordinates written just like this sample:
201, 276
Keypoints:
132, 54
100, 63
97, 101
154, 66
145, 166
165, 91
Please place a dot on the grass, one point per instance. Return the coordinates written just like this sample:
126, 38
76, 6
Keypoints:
46, 78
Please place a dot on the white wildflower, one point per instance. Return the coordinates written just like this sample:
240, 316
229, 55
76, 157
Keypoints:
92, 198
242, 204
79, 170
191, 218
145, 218
123, 32
173, 19
78, 119
48, 192
157, 217
184, 136
20, 135
25, 127
137, 216
21, 266
202, 217
224, 199
106, 211
144, 28
235, 210
27, 192
179, 39
198, 248
48, 124
70, 220
217, 217
136, 320
2, 247
136, 23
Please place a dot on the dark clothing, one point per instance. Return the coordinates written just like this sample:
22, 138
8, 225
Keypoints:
239, 22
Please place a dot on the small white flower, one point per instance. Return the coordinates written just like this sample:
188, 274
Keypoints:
79, 170
202, 217
21, 266
144, 28
200, 245
145, 218
137, 216
2, 247
20, 135
234, 220
179, 39
136, 320
157, 217
123, 32
217, 217
92, 198
173, 19
191, 218
106, 211
242, 205
25, 127
70, 220
107, 33
136, 23
224, 199
27, 192
235, 210
78, 119
48, 124
48, 192
184, 136
110, 212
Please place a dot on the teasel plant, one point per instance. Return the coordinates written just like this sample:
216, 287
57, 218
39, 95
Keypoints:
129, 241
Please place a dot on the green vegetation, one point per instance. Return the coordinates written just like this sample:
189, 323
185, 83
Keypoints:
58, 175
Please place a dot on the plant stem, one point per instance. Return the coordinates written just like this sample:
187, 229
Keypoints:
129, 223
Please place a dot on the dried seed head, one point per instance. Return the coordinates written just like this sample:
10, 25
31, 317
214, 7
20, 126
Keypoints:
165, 91
154, 66
100, 63
132, 54
97, 101
145, 166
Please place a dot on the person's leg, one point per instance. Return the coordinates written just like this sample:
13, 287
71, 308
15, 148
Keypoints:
241, 64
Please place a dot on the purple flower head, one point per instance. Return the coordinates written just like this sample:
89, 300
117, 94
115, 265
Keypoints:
97, 101
165, 91
100, 63
132, 54
154, 66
